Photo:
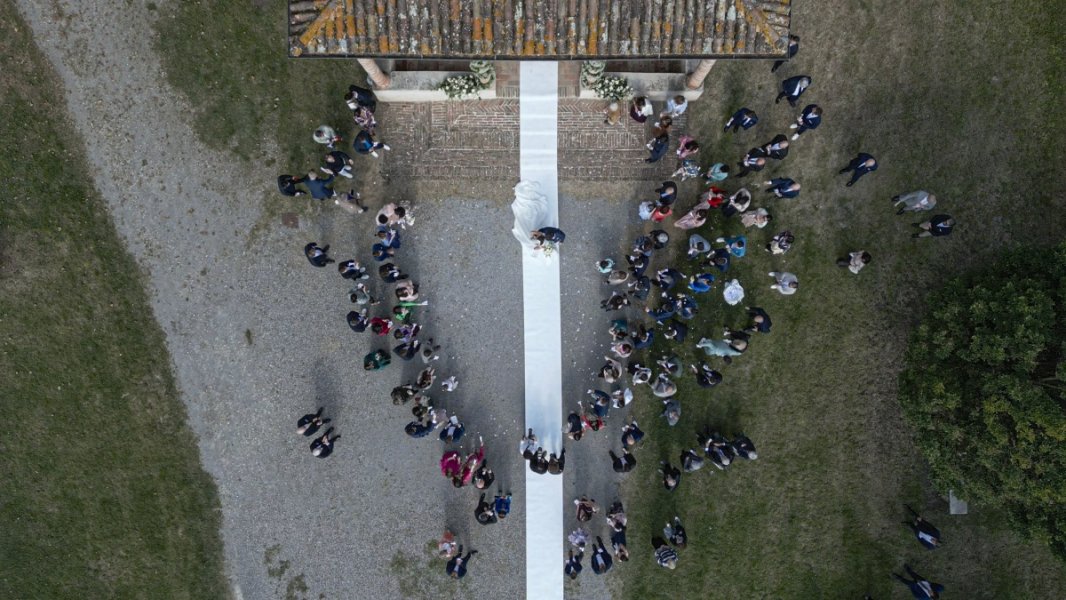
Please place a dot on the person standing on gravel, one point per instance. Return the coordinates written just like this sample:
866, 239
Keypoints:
623, 463
572, 568
287, 185
317, 255
456, 568
309, 424
601, 559
322, 446
365, 144
484, 512
321, 189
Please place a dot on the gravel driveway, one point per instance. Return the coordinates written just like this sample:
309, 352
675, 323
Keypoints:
258, 338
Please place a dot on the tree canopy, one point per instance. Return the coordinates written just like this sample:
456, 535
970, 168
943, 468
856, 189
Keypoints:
984, 386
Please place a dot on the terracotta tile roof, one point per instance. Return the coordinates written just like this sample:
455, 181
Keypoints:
563, 29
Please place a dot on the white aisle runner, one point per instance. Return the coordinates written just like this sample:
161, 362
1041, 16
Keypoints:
538, 162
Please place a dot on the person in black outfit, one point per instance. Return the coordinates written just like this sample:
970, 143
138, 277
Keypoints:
557, 463
675, 533
754, 161
358, 96
390, 273
792, 88
322, 446
921, 588
309, 423
573, 564
456, 568
776, 148
793, 48
623, 463
658, 148
317, 256
358, 320
760, 321
671, 476
744, 448
351, 269
862, 164
539, 462
484, 512
601, 559
287, 185
926, 533
706, 377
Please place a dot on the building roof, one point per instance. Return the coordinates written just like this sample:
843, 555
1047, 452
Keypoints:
551, 29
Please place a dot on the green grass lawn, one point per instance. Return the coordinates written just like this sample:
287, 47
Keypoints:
101, 490
962, 100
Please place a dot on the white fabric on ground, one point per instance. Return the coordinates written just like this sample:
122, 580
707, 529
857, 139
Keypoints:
541, 309
531, 212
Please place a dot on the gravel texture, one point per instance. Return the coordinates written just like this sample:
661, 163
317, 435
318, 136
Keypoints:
258, 338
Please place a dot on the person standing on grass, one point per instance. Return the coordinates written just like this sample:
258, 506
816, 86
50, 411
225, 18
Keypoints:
914, 201
326, 136
785, 283
691, 461
322, 446
760, 321
745, 117
287, 185
726, 349
664, 554
744, 448
758, 217
321, 189
360, 97
601, 559
316, 255
671, 475
623, 463
855, 261
338, 163
938, 226
783, 187
926, 533
675, 107
631, 435
675, 533
718, 172
456, 568
921, 588
810, 118
781, 243
572, 568
657, 147
706, 377
751, 163
862, 164
792, 88
776, 148
308, 424
793, 48
364, 144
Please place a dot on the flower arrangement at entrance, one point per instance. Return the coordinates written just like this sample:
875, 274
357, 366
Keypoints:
591, 72
481, 77
612, 88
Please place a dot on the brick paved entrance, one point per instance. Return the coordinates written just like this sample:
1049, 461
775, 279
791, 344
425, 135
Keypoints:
479, 140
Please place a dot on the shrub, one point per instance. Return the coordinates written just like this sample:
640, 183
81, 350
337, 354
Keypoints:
983, 386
